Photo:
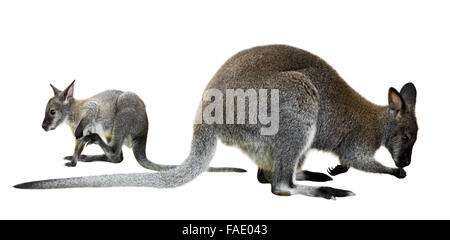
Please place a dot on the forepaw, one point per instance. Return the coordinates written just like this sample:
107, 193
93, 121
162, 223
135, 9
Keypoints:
71, 164
332, 193
339, 169
400, 173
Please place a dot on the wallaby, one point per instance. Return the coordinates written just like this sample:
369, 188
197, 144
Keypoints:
117, 117
317, 109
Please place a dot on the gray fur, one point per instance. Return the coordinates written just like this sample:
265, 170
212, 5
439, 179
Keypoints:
110, 119
317, 110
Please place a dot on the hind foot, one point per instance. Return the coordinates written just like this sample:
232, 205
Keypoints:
95, 158
322, 192
312, 176
71, 164
81, 158
266, 176
399, 173
332, 193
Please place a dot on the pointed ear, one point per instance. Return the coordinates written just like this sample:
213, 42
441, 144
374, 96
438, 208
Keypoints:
409, 94
55, 90
395, 100
68, 93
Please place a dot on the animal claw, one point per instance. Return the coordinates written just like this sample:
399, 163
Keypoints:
329, 170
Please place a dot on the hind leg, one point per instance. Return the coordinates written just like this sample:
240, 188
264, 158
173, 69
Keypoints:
92, 158
265, 176
286, 159
113, 152
292, 143
283, 181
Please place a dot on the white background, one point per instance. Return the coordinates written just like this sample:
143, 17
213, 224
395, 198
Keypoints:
167, 52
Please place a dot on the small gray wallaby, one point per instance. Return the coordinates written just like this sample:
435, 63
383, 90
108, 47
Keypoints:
117, 117
317, 109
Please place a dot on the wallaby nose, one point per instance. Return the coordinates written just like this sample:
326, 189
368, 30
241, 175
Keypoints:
408, 162
44, 126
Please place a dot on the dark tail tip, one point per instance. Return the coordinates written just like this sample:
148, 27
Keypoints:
226, 169
27, 185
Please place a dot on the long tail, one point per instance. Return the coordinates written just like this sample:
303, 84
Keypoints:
202, 150
141, 157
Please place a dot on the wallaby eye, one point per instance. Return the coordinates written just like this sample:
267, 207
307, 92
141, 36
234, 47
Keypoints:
405, 138
52, 112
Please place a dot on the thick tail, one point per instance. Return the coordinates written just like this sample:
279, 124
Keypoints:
202, 150
141, 157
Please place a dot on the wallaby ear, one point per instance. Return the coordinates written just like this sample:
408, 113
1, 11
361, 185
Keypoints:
55, 90
409, 94
395, 100
68, 93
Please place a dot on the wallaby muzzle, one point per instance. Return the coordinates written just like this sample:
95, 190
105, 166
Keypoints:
404, 160
46, 126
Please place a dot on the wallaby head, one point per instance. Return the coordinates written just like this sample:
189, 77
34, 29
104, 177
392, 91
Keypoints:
401, 128
58, 107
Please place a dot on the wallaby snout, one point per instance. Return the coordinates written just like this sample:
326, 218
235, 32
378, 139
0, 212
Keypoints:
404, 160
45, 126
